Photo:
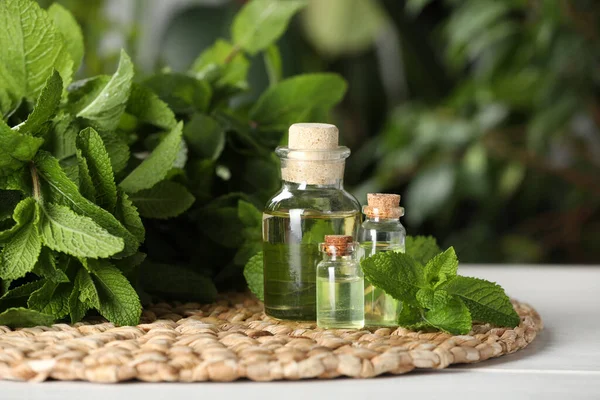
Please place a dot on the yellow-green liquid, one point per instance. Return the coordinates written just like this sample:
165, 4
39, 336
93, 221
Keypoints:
291, 254
340, 303
381, 309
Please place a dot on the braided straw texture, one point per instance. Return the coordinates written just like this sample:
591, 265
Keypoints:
233, 339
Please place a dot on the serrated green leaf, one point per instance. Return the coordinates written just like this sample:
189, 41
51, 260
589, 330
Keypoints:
92, 148
117, 149
88, 294
129, 216
32, 49
23, 214
294, 99
453, 318
165, 200
147, 107
253, 272
15, 148
430, 299
77, 308
63, 230
22, 317
179, 284
223, 65
486, 300
398, 274
45, 108
81, 174
422, 248
46, 268
204, 136
60, 141
442, 267
66, 24
156, 167
411, 318
21, 252
17, 297
261, 22
59, 189
183, 93
104, 110
119, 303
51, 299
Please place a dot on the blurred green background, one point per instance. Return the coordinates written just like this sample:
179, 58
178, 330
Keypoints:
483, 114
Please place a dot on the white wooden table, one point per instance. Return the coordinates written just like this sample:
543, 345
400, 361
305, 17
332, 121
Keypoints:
562, 363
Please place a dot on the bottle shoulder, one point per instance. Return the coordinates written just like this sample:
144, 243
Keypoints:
318, 199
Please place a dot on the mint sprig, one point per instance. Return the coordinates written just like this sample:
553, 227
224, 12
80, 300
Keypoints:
434, 296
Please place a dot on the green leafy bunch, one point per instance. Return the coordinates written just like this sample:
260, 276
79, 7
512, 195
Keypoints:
81, 163
432, 294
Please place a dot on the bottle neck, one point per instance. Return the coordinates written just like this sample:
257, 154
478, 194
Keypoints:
376, 218
337, 184
352, 256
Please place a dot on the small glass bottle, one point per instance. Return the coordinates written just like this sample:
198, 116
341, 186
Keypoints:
312, 203
381, 231
340, 285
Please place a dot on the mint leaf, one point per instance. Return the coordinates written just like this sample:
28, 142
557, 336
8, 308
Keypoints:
249, 215
60, 141
204, 136
398, 274
51, 299
46, 267
165, 200
45, 108
119, 303
430, 299
486, 301
59, 189
294, 99
156, 167
67, 26
83, 176
18, 296
117, 149
422, 248
412, 318
183, 93
128, 214
179, 284
223, 65
23, 214
441, 267
77, 308
21, 253
88, 294
261, 22
22, 317
92, 148
65, 231
147, 107
15, 148
253, 272
453, 318
105, 109
31, 49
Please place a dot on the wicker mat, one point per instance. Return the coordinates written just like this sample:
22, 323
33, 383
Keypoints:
232, 339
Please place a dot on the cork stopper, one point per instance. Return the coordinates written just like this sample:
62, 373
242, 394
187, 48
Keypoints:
313, 136
338, 245
313, 155
383, 205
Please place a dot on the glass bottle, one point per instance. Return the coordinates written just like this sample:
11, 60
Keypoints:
381, 231
311, 203
340, 285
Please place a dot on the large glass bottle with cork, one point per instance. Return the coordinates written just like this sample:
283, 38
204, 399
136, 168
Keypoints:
311, 203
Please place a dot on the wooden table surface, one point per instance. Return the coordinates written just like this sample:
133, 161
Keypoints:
562, 363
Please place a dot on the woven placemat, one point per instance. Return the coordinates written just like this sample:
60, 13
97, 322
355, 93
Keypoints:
233, 339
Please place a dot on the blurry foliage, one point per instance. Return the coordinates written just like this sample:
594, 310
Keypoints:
483, 114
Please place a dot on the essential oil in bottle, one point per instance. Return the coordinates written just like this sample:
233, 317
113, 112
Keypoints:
311, 203
340, 285
381, 231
